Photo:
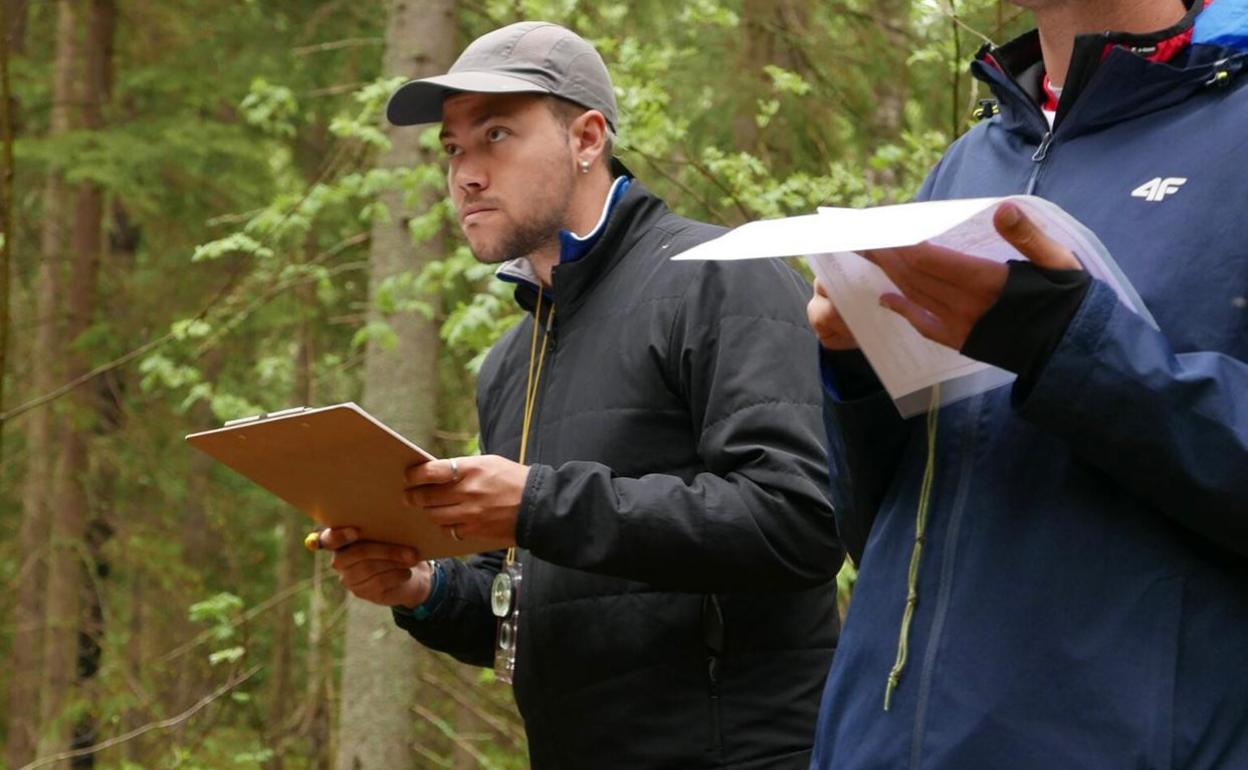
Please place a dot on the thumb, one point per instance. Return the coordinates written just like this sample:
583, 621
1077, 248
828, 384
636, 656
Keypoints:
1020, 232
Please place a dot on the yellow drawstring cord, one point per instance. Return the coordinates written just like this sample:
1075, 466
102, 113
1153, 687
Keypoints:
530, 387
920, 533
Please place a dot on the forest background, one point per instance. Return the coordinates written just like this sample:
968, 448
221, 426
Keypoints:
204, 217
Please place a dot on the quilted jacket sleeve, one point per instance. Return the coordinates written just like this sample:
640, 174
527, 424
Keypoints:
758, 517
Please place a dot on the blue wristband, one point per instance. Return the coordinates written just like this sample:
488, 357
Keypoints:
437, 592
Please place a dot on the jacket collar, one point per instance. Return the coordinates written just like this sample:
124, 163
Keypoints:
571, 246
572, 281
1113, 76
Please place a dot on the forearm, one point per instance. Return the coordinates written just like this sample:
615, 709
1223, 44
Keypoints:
1171, 428
866, 437
711, 533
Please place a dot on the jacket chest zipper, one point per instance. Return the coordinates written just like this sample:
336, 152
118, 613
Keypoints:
712, 672
713, 642
949, 556
1038, 158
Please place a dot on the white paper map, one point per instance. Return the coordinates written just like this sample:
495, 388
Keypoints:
907, 363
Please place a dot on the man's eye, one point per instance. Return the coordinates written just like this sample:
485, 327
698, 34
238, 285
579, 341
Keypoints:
451, 150
496, 134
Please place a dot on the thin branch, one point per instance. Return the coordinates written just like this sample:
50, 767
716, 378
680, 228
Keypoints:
952, 14
512, 734
484, 693
453, 435
653, 163
334, 45
163, 724
96, 372
458, 739
243, 618
341, 88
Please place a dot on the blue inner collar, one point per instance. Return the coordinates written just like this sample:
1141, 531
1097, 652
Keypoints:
572, 247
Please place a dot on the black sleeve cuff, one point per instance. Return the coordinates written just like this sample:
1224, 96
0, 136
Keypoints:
847, 375
1022, 329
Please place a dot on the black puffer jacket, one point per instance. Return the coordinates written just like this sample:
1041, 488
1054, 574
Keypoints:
678, 607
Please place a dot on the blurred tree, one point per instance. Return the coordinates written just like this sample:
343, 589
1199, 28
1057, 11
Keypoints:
380, 663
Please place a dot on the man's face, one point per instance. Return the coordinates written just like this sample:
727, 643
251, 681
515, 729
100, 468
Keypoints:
511, 172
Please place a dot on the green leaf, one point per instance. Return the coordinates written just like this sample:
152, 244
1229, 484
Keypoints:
228, 655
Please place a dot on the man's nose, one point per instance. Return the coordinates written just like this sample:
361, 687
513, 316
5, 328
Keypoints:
469, 176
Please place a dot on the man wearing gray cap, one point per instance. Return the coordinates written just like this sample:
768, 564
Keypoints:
650, 446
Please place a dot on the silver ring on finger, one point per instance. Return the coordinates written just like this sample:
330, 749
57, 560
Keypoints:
454, 472
455, 533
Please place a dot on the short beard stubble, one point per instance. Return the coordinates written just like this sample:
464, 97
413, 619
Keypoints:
542, 228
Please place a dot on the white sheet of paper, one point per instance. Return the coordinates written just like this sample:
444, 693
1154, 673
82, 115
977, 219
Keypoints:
908, 364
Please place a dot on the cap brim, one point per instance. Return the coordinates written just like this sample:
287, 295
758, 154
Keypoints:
420, 101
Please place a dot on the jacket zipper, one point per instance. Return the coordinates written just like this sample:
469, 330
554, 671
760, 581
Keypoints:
712, 672
948, 558
1038, 157
1046, 138
713, 642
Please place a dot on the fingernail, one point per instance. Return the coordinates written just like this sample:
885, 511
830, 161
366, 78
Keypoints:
1009, 214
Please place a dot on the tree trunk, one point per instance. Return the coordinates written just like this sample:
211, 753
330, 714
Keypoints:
315, 725
887, 117
15, 25
7, 21
376, 723
765, 25
67, 659
26, 659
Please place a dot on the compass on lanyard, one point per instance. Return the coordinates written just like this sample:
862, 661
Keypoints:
502, 595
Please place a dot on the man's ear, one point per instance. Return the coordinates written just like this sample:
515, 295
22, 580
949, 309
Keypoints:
589, 136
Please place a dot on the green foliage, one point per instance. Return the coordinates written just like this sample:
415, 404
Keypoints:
218, 610
271, 108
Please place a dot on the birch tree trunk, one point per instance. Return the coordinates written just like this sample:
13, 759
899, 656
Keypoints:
379, 670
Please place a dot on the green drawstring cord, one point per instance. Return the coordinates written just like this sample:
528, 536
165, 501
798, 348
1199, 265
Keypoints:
920, 533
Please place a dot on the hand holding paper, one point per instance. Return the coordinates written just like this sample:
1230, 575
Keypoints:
907, 362
830, 328
944, 293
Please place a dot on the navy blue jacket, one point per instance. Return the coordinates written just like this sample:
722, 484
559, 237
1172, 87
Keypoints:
1083, 588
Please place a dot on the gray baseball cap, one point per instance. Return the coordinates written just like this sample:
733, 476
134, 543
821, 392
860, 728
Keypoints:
527, 57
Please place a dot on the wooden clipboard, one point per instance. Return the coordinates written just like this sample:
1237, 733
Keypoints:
339, 465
